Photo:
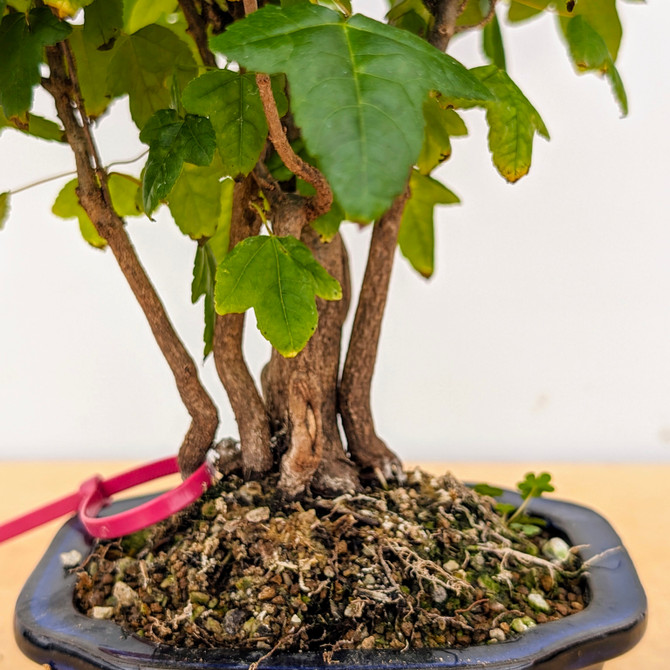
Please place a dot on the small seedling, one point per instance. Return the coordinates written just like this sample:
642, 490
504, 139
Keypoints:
532, 486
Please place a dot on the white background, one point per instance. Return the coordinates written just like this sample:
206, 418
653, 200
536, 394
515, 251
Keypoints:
544, 334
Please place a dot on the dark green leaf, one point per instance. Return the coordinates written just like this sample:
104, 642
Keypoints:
410, 15
533, 486
519, 11
417, 237
138, 14
279, 278
173, 141
441, 124
486, 490
233, 104
513, 122
195, 200
493, 44
103, 21
92, 66
22, 44
357, 92
4, 209
144, 65
589, 52
204, 271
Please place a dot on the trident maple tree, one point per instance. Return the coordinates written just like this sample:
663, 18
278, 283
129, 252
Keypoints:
267, 128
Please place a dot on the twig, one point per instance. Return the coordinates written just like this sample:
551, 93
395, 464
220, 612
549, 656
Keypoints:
487, 19
197, 27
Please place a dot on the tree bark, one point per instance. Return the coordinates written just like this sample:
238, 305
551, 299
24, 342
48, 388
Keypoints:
303, 389
94, 198
365, 446
248, 407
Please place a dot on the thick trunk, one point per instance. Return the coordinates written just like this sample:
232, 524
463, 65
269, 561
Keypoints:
301, 393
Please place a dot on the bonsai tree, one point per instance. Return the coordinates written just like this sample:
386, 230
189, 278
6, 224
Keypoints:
267, 129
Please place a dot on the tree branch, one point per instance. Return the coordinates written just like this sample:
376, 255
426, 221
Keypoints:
248, 407
366, 448
446, 15
487, 19
109, 225
197, 28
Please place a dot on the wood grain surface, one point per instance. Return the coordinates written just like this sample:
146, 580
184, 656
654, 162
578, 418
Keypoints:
633, 498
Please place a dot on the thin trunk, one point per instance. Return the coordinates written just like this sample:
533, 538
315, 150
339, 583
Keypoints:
365, 446
248, 407
94, 198
446, 14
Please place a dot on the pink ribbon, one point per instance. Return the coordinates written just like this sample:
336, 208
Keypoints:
96, 493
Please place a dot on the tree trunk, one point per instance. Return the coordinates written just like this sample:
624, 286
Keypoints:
301, 393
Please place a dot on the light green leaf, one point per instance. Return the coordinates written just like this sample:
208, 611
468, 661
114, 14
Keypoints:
204, 271
328, 224
492, 43
410, 15
603, 17
513, 122
519, 11
417, 237
138, 14
589, 52
92, 66
22, 42
67, 8
195, 199
123, 191
220, 241
103, 20
34, 125
279, 278
233, 104
357, 92
144, 65
173, 141
441, 124
4, 209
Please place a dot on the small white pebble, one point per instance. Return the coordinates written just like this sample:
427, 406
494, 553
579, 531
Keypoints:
125, 595
257, 515
497, 634
556, 549
70, 559
102, 612
522, 624
295, 620
451, 566
439, 593
537, 601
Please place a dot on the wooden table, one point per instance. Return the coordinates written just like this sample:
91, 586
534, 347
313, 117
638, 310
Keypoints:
632, 497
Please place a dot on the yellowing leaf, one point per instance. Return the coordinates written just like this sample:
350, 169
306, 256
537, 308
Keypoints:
4, 209
513, 122
416, 237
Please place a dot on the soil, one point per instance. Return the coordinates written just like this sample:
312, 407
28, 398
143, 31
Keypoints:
427, 564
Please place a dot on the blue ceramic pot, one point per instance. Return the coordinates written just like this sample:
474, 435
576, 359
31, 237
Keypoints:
49, 630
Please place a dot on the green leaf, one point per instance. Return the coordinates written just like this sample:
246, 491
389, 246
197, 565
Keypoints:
195, 200
486, 490
410, 15
4, 208
328, 224
103, 21
533, 486
220, 241
92, 66
416, 237
529, 530
589, 52
22, 44
519, 11
233, 104
67, 8
357, 92
36, 126
279, 278
603, 17
144, 65
138, 14
493, 44
123, 191
173, 141
513, 122
504, 508
204, 271
441, 124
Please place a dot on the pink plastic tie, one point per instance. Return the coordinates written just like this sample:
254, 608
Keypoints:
95, 493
